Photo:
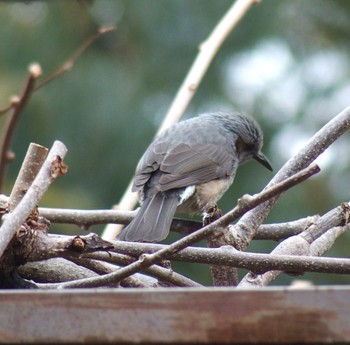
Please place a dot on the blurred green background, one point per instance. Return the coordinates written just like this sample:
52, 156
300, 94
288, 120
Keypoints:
287, 64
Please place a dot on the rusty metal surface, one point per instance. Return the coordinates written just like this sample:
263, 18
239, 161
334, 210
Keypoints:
100, 316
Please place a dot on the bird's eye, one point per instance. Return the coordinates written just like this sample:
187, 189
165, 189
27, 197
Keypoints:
242, 146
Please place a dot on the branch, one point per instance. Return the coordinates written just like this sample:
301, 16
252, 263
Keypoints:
31, 165
87, 218
228, 256
69, 64
207, 52
165, 275
17, 105
53, 270
161, 273
135, 281
51, 169
222, 275
315, 237
246, 228
281, 231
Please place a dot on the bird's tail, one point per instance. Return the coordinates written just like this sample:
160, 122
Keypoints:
152, 221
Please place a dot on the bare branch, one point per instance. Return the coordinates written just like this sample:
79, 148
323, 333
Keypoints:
338, 216
17, 106
136, 281
87, 218
52, 167
163, 274
222, 275
69, 64
7, 108
280, 231
53, 270
301, 244
207, 51
31, 165
326, 240
228, 256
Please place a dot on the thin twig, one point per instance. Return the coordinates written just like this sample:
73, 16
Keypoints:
52, 168
207, 51
69, 64
6, 154
100, 267
163, 274
4, 110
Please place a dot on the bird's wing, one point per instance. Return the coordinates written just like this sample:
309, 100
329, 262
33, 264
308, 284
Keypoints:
187, 165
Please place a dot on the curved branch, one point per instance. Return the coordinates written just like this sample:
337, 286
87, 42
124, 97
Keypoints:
69, 64
9, 129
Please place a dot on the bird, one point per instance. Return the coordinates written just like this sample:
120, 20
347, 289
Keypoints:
188, 167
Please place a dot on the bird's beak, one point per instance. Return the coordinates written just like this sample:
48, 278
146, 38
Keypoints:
261, 158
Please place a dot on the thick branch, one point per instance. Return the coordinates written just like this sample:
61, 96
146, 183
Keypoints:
301, 244
31, 165
53, 270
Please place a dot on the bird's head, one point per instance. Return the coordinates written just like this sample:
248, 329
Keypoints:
248, 139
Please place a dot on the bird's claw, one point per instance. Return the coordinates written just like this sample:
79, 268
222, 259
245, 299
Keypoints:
211, 215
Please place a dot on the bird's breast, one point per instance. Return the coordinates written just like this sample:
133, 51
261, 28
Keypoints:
203, 196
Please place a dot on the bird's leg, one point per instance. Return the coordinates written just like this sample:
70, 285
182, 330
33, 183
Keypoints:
211, 214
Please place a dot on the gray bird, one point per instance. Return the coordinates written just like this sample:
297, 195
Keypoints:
188, 167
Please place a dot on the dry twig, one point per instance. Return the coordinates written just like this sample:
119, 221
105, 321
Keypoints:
69, 64
17, 105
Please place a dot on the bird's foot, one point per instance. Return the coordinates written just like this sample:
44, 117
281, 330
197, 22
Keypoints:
211, 215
